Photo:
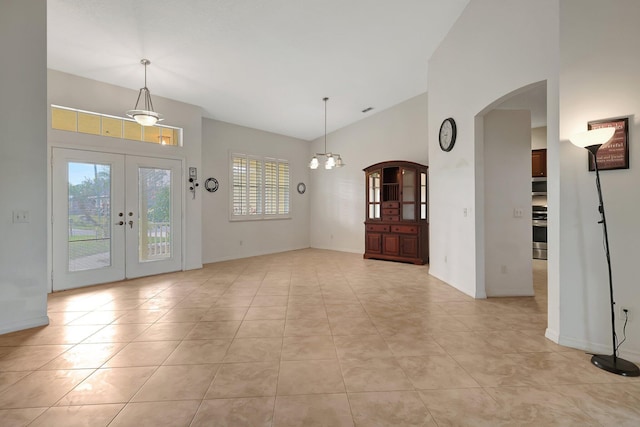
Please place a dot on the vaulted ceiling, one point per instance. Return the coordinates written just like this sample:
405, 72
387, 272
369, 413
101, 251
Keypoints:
265, 64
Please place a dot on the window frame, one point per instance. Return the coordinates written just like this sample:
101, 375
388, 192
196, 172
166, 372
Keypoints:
278, 201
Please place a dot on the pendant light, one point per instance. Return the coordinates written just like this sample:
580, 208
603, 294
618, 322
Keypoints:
146, 116
332, 160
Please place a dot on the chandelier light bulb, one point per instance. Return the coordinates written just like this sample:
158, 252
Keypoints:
314, 163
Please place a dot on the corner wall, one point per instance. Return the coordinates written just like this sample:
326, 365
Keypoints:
495, 48
507, 188
338, 195
23, 164
598, 80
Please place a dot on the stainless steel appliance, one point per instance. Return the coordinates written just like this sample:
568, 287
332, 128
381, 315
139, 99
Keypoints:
539, 222
539, 186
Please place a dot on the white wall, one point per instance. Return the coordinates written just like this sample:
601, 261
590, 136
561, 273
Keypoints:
224, 239
495, 48
338, 195
23, 167
599, 79
507, 187
539, 138
77, 92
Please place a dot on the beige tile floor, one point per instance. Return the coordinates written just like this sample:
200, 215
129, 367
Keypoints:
303, 338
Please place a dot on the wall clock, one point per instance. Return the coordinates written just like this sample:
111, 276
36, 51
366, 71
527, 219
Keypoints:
301, 188
448, 133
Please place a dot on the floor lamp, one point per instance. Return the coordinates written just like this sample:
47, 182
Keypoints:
592, 140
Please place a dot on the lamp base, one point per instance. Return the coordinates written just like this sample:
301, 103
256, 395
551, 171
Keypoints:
618, 366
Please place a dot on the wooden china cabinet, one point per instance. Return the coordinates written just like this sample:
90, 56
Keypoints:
396, 225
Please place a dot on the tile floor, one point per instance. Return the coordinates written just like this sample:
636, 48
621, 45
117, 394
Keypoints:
303, 338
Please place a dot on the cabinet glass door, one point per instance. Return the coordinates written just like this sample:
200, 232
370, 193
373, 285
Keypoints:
423, 195
408, 194
374, 195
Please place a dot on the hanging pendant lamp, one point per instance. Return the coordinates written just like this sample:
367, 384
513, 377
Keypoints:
146, 116
332, 160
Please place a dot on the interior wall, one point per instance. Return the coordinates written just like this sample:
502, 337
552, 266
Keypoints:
338, 196
224, 239
507, 208
599, 80
23, 165
495, 48
81, 93
539, 138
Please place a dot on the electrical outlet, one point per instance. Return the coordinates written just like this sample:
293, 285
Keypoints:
20, 216
518, 212
623, 315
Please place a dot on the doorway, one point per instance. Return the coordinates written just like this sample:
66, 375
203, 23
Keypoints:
115, 216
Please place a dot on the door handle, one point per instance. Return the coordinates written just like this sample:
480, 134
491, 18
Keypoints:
120, 223
131, 223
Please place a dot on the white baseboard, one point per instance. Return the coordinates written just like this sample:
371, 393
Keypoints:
598, 348
24, 324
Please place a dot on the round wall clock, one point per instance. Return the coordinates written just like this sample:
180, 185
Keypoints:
447, 134
211, 185
301, 188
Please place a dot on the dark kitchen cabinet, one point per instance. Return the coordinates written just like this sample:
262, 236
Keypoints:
396, 225
538, 163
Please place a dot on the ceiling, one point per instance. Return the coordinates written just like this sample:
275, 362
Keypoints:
264, 64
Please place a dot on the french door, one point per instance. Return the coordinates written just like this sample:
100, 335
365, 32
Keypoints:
115, 216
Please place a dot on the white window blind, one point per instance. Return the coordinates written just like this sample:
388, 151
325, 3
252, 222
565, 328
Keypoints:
260, 187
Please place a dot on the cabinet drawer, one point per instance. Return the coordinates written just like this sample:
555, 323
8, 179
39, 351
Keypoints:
406, 229
390, 211
377, 227
392, 205
393, 218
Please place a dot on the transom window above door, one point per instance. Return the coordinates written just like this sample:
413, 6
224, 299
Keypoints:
73, 120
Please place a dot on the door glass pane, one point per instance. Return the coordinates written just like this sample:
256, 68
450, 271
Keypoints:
408, 185
408, 194
89, 216
423, 195
374, 195
154, 197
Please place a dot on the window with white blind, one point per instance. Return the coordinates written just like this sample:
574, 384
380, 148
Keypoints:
260, 187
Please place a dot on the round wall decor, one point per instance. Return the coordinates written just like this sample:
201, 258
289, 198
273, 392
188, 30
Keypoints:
448, 133
302, 187
211, 185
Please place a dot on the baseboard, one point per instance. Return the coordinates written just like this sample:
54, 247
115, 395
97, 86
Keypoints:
552, 335
24, 324
598, 348
250, 254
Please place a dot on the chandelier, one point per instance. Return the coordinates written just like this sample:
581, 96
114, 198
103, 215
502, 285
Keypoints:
145, 116
332, 160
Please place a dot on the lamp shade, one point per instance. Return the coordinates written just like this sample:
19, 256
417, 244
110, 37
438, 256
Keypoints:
144, 117
592, 138
314, 163
330, 162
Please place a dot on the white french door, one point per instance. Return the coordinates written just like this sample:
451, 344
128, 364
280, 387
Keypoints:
115, 216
